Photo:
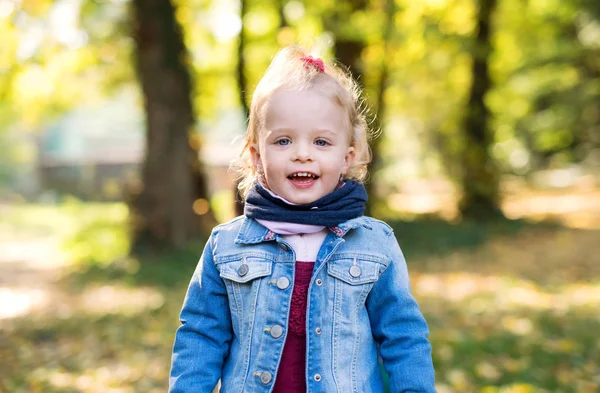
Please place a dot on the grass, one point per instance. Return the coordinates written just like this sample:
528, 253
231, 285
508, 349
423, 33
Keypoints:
512, 306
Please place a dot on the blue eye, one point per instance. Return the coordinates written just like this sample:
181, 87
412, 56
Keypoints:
283, 142
321, 142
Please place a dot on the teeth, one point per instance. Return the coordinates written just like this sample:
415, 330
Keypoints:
303, 174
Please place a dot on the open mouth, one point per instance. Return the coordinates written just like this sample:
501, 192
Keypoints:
303, 176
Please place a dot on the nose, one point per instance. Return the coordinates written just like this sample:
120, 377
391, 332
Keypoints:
302, 152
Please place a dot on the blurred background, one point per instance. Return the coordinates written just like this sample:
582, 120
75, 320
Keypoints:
119, 119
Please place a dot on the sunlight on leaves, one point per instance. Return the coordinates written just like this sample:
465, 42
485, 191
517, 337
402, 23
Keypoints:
15, 302
488, 371
110, 299
504, 293
114, 378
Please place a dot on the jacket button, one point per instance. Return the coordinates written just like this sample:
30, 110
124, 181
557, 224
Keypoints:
318, 330
243, 270
317, 377
319, 282
265, 377
283, 282
276, 331
354, 271
284, 246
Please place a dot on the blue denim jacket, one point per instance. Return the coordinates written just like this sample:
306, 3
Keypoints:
236, 310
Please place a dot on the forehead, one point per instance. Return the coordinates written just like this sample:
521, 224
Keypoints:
305, 109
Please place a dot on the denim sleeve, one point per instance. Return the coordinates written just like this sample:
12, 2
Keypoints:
400, 328
202, 341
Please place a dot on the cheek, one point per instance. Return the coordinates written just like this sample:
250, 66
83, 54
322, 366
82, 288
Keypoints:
333, 166
271, 163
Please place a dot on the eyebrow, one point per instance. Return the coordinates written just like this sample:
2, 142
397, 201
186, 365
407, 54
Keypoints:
317, 130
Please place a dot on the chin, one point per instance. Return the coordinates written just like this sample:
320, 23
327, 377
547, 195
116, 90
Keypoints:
293, 197
307, 199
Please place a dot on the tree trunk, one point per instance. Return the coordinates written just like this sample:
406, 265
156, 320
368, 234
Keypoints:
173, 178
374, 198
348, 53
241, 65
480, 177
348, 49
280, 9
238, 203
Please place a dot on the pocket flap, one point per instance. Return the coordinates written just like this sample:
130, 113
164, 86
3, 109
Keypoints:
354, 271
256, 268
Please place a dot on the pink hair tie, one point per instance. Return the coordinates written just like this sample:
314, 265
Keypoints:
318, 63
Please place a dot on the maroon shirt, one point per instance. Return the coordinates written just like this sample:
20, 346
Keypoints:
291, 376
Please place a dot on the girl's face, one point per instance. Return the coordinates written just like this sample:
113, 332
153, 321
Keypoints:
304, 147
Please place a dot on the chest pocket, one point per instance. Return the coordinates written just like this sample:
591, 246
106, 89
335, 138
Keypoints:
353, 279
354, 271
243, 279
245, 269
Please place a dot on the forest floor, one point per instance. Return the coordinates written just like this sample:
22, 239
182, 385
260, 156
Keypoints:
512, 304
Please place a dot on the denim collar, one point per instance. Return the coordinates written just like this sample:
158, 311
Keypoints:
251, 232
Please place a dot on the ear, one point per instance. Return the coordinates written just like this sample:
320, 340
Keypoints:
255, 156
348, 159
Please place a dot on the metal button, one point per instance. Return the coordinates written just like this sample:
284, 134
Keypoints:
317, 377
243, 270
319, 282
276, 331
284, 246
265, 377
354, 271
318, 330
283, 282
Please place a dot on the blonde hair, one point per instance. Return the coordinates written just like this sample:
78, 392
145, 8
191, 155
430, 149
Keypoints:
289, 70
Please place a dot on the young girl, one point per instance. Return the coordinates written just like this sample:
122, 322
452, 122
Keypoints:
303, 293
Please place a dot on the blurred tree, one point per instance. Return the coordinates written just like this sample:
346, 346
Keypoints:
282, 19
479, 175
243, 91
350, 42
241, 63
165, 212
546, 103
564, 121
379, 102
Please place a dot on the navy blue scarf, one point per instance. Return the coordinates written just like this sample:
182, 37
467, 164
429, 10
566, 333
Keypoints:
341, 205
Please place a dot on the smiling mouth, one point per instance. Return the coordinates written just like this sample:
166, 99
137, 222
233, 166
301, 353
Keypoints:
303, 176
